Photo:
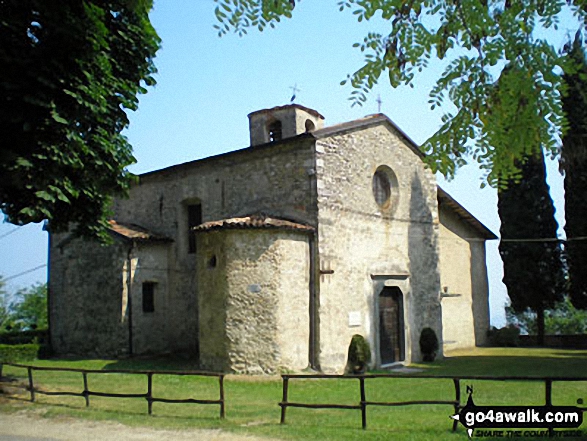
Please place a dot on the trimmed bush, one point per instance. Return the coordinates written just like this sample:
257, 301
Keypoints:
23, 337
15, 353
428, 344
359, 355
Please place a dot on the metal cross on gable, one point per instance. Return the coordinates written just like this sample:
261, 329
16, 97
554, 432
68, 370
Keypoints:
379, 102
295, 90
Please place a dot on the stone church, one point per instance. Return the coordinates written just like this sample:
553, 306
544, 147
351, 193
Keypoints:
272, 257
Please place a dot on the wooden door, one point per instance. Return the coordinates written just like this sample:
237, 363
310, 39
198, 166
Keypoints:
391, 326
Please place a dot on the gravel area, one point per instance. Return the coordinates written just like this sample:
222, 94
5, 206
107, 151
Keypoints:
24, 426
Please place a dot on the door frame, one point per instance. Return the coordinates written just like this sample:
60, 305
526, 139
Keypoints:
398, 326
380, 282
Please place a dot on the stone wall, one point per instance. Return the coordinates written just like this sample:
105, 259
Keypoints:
465, 314
253, 300
88, 297
153, 332
366, 245
277, 179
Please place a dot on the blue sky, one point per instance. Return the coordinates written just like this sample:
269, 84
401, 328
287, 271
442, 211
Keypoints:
208, 85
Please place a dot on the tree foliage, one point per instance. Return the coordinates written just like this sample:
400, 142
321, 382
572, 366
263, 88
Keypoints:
532, 260
69, 70
496, 127
30, 309
26, 309
574, 165
4, 304
562, 319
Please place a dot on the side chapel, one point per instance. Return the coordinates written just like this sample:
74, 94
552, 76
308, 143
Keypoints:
273, 256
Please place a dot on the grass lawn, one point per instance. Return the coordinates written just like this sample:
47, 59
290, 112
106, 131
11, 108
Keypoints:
251, 402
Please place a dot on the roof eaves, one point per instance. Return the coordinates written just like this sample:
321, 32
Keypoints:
445, 198
244, 150
254, 221
368, 121
298, 106
132, 232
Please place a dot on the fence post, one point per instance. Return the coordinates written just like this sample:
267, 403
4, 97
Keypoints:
363, 404
548, 391
284, 399
457, 384
86, 391
150, 392
548, 399
31, 385
221, 384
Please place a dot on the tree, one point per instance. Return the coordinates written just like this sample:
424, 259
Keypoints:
574, 165
563, 319
30, 309
533, 268
4, 306
479, 37
69, 70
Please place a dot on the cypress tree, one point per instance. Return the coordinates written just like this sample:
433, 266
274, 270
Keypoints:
533, 269
574, 163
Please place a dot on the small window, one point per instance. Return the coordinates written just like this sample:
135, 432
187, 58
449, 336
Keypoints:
309, 126
275, 133
149, 296
194, 219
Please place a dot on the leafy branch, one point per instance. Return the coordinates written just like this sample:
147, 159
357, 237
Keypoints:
501, 92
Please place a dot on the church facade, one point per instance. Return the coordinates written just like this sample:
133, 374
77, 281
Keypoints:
272, 257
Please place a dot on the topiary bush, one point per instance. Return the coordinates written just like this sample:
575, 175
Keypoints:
428, 344
359, 355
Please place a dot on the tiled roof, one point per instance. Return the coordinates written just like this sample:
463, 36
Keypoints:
253, 221
298, 106
135, 232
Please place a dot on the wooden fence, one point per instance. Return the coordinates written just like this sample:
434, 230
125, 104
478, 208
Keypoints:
363, 403
87, 393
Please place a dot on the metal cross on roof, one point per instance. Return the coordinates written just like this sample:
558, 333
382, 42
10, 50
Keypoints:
379, 103
295, 91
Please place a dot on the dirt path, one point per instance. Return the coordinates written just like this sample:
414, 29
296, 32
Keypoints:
24, 426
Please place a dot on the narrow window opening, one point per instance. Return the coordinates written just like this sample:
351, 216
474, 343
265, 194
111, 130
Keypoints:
381, 188
275, 132
194, 219
149, 297
310, 126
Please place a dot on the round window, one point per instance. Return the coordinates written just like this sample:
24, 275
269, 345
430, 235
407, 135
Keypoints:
384, 186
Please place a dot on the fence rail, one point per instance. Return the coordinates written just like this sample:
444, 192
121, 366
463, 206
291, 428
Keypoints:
363, 403
87, 393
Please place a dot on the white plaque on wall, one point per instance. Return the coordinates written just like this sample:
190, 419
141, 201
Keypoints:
354, 318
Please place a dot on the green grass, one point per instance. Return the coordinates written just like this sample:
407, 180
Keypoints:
251, 402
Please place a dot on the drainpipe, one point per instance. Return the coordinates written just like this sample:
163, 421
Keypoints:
129, 297
314, 346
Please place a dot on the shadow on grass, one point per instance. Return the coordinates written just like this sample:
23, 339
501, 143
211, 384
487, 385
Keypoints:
537, 362
160, 363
